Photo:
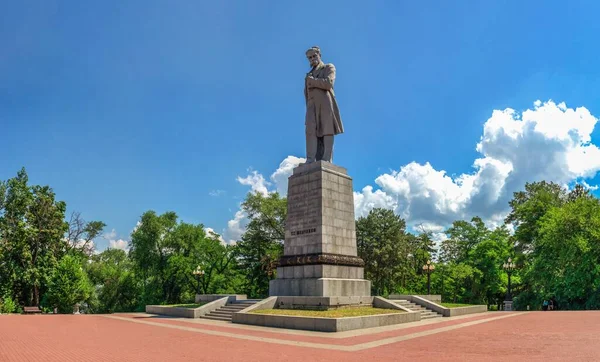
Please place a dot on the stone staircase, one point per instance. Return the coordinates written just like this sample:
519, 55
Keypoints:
425, 313
225, 312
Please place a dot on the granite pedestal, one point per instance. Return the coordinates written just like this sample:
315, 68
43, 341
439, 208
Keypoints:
320, 258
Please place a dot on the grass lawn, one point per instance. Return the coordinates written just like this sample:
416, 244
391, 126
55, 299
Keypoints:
190, 305
332, 313
455, 305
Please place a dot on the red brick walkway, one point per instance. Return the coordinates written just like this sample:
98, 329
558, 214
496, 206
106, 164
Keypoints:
536, 336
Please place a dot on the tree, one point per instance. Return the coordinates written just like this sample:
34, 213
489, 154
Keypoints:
217, 260
32, 230
488, 257
81, 234
463, 236
68, 285
566, 261
460, 279
191, 247
528, 207
149, 253
111, 273
382, 243
262, 243
165, 253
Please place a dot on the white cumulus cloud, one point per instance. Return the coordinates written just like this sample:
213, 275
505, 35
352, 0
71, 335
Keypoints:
257, 183
114, 242
236, 226
367, 200
118, 244
212, 233
549, 142
285, 169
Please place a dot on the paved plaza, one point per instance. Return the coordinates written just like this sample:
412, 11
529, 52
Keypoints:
492, 336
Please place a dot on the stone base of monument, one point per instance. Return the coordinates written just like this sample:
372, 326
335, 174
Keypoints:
320, 267
321, 324
321, 287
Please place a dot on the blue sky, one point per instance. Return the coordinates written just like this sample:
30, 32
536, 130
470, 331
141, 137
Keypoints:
140, 105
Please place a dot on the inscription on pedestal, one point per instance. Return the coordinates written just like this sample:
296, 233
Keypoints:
304, 205
302, 232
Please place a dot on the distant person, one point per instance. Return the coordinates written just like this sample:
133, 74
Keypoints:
545, 305
550, 305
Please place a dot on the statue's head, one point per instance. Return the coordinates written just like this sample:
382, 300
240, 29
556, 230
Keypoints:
314, 56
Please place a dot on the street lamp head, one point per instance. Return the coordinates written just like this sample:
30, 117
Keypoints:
509, 266
198, 271
428, 267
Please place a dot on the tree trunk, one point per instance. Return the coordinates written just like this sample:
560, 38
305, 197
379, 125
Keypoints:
36, 296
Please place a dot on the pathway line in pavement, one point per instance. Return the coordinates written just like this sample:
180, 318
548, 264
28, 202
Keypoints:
390, 340
351, 348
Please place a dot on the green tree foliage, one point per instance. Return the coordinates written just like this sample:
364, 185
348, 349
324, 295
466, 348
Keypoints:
565, 263
149, 252
471, 263
69, 285
81, 234
116, 288
488, 256
528, 207
463, 236
32, 229
43, 255
262, 243
8, 305
393, 257
165, 252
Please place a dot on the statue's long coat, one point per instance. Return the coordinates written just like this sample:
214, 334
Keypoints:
321, 107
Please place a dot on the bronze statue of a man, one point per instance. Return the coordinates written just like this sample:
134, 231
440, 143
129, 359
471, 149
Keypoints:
323, 119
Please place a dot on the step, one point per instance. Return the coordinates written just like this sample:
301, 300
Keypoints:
216, 318
430, 316
408, 304
220, 313
231, 309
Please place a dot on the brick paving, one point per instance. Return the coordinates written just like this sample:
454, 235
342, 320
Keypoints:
535, 336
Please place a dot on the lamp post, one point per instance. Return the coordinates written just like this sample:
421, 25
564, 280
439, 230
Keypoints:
509, 267
428, 268
199, 273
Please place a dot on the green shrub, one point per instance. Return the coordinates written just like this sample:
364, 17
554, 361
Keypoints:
8, 305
